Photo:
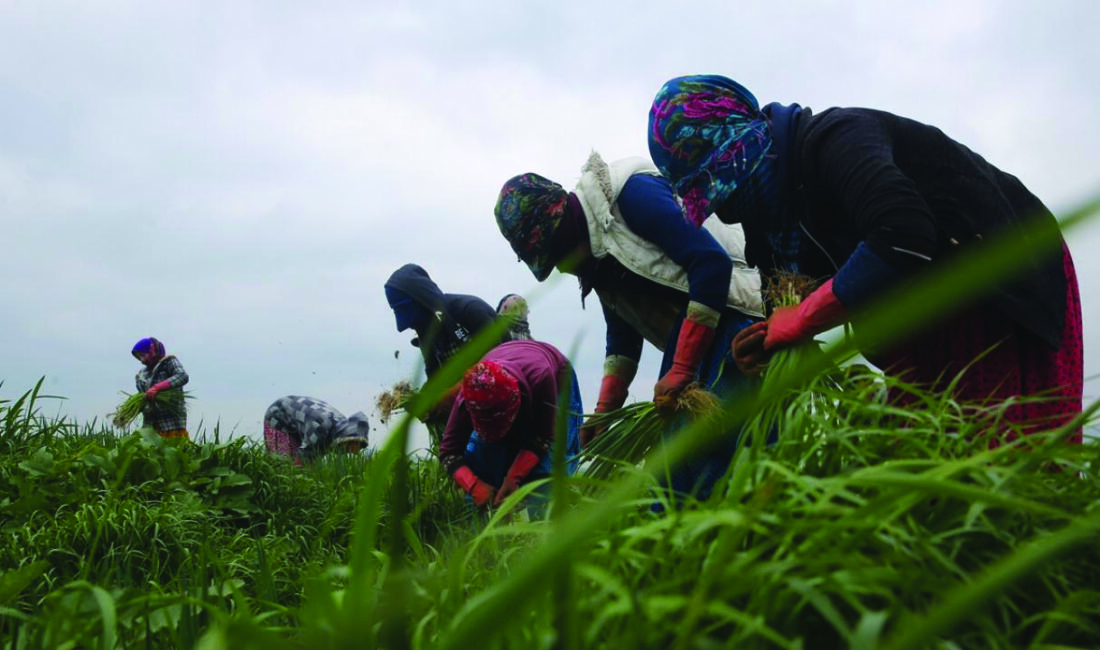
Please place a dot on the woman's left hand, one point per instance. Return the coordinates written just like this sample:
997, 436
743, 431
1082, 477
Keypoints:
509, 486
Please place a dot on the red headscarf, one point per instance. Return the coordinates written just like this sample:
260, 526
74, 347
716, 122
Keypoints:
492, 399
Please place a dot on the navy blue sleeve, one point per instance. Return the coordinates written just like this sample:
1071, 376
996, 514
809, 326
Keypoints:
862, 277
622, 339
648, 207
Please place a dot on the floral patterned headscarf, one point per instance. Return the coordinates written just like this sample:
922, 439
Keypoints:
492, 399
529, 211
707, 135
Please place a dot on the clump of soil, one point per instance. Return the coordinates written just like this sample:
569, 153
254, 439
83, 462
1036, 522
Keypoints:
393, 399
697, 401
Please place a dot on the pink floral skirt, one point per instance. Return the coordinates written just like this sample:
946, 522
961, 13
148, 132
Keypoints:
280, 442
1016, 363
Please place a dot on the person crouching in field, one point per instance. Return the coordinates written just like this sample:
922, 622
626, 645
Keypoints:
865, 200
502, 425
306, 428
161, 372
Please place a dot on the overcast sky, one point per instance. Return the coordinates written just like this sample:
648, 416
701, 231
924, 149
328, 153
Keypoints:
239, 179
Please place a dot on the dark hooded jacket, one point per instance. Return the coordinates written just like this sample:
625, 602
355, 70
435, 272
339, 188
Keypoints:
908, 192
458, 316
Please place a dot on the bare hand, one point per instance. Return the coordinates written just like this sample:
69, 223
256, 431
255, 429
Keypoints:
748, 349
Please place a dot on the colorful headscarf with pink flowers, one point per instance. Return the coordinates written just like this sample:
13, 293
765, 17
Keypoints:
707, 135
529, 212
492, 399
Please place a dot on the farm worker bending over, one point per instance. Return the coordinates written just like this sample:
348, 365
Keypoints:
514, 307
511, 398
658, 279
443, 322
300, 427
161, 372
865, 198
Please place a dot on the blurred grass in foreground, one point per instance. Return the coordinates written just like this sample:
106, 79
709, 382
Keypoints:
866, 526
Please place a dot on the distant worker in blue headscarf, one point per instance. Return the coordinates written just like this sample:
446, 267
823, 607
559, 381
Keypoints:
161, 372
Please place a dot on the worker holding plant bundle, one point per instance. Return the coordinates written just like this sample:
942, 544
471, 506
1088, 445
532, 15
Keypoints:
502, 426
864, 199
306, 428
686, 291
161, 373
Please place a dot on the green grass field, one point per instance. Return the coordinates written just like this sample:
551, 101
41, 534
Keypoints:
866, 526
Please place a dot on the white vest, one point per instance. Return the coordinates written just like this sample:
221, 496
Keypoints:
598, 190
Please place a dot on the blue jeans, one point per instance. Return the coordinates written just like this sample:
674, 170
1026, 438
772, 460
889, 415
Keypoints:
718, 373
491, 460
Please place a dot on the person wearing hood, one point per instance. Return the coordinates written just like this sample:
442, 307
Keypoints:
685, 291
306, 428
503, 422
864, 199
514, 308
443, 322
161, 372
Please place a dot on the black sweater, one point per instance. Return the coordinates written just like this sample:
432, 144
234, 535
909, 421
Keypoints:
912, 194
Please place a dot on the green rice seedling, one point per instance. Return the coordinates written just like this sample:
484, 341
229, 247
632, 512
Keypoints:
633, 431
133, 404
776, 416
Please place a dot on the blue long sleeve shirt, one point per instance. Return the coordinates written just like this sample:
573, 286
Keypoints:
650, 210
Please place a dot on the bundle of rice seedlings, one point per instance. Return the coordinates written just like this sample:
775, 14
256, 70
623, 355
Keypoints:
785, 289
633, 431
393, 400
396, 399
133, 404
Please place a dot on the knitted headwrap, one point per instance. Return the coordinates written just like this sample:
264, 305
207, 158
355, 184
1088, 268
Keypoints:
492, 399
707, 135
514, 305
529, 212
144, 345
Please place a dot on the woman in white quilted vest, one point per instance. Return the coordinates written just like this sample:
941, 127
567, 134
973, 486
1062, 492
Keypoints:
687, 291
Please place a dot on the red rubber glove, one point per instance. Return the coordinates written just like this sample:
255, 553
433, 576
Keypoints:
818, 312
481, 491
694, 341
748, 349
523, 464
163, 384
613, 392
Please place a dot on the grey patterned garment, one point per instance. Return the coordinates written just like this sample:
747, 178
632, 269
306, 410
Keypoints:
170, 416
316, 424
